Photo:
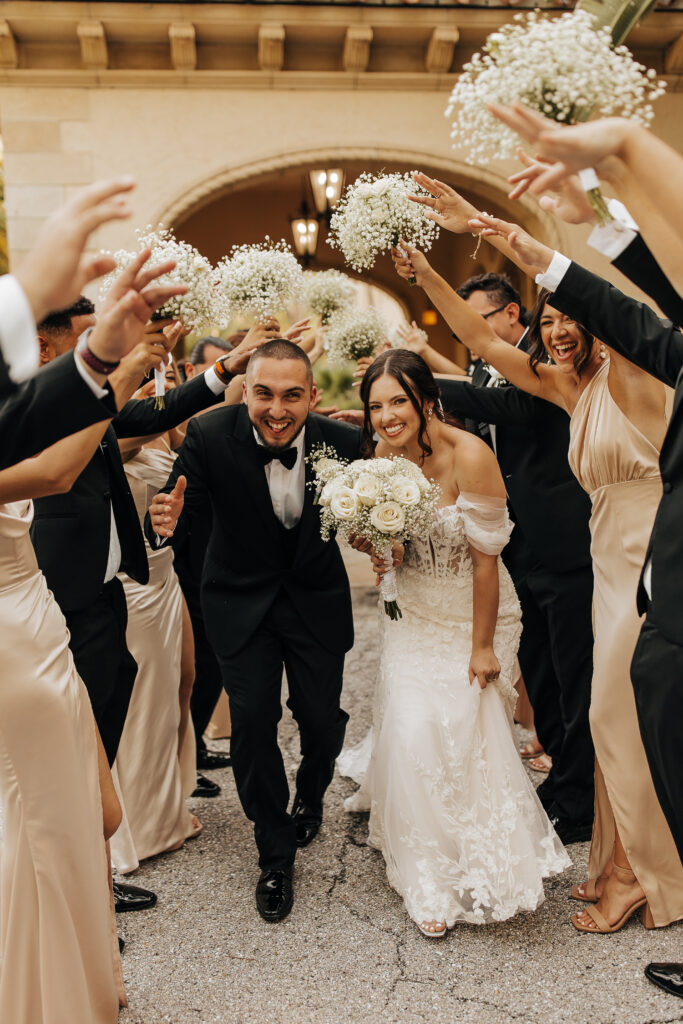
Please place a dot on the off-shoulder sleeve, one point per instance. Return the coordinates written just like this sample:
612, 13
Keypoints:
487, 523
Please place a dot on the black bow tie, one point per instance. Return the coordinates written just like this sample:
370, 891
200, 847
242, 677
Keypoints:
287, 456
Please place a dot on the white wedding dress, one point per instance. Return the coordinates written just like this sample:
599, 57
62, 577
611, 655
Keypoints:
463, 834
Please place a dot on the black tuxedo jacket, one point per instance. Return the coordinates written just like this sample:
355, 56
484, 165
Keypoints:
70, 532
532, 439
52, 404
247, 564
634, 330
638, 264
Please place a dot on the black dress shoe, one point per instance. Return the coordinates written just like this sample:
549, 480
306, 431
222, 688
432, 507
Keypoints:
274, 895
122, 944
132, 897
572, 831
545, 794
211, 760
666, 976
306, 822
205, 787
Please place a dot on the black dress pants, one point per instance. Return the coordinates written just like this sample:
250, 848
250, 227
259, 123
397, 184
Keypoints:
657, 675
556, 656
208, 682
103, 661
253, 681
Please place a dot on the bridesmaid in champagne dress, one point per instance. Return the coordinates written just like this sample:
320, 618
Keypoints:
633, 863
58, 947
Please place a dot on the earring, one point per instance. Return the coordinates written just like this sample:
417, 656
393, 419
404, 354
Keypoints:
429, 414
603, 351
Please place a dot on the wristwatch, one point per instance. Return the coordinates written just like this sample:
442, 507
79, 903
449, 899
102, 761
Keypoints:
220, 368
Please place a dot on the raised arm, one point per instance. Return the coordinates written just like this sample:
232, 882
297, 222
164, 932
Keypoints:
183, 497
474, 331
509, 406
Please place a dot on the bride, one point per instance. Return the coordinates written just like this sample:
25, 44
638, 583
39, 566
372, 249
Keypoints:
462, 832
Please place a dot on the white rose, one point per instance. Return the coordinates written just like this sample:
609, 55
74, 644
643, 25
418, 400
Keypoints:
405, 490
388, 517
328, 490
344, 503
368, 488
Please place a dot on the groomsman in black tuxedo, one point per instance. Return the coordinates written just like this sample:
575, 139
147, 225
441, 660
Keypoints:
274, 595
85, 537
548, 557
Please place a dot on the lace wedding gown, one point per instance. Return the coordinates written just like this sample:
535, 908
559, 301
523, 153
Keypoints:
463, 835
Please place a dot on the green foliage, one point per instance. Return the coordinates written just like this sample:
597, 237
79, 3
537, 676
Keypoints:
336, 381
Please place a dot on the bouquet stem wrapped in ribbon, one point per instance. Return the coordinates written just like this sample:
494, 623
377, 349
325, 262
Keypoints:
382, 500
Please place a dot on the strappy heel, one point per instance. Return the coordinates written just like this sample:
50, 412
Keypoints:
589, 894
602, 926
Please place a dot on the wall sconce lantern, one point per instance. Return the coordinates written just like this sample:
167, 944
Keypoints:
326, 186
305, 234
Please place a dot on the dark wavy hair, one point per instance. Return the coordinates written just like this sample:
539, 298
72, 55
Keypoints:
537, 350
417, 380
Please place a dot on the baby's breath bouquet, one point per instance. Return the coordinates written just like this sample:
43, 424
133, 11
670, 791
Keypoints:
325, 292
201, 308
353, 334
374, 213
381, 500
565, 68
260, 280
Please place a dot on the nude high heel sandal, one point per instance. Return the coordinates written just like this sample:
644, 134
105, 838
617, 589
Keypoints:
602, 926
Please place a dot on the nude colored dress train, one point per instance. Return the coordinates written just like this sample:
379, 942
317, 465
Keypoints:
619, 467
59, 958
151, 779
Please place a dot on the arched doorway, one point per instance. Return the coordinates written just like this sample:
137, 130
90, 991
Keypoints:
244, 204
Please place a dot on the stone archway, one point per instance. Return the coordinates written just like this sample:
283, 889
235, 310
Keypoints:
244, 202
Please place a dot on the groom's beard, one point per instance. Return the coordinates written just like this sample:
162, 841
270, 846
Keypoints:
269, 446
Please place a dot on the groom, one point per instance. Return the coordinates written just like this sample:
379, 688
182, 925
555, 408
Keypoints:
274, 595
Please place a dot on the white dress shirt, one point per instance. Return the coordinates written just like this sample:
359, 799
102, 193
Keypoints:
18, 339
287, 486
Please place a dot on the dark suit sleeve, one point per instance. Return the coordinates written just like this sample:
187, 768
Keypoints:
192, 463
344, 437
7, 385
507, 405
52, 404
629, 327
138, 418
638, 264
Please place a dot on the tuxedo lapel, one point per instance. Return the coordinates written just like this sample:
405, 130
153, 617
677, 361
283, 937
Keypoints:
672, 432
253, 478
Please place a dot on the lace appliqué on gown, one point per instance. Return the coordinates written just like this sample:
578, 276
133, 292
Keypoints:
462, 832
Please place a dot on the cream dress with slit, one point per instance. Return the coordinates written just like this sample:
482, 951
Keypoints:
151, 779
59, 957
619, 468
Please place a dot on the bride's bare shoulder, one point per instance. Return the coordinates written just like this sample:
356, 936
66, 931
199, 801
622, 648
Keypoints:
474, 464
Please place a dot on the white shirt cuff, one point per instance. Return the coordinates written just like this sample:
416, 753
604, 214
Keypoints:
551, 279
83, 369
213, 381
18, 340
611, 239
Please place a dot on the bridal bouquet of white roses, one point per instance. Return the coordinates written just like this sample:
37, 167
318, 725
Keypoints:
325, 292
566, 68
381, 500
374, 213
202, 308
260, 280
353, 334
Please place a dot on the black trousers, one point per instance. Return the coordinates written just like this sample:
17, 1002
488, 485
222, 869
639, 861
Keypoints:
556, 656
657, 675
253, 681
103, 661
208, 681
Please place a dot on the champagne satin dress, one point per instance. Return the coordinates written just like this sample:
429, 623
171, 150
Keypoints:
151, 779
59, 952
619, 468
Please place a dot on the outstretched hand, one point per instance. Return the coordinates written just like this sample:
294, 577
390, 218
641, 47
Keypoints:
570, 203
164, 512
447, 208
533, 254
54, 272
410, 263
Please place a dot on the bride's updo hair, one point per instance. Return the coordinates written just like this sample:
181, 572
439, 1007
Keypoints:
416, 379
537, 350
